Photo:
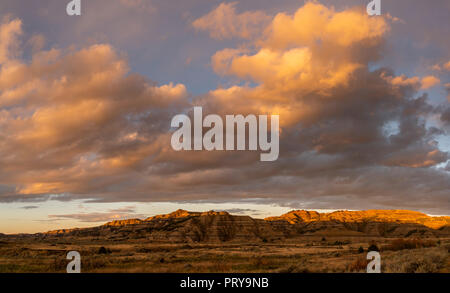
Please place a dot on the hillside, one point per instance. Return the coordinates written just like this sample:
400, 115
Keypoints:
386, 216
185, 226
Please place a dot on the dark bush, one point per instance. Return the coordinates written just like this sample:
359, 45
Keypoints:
373, 247
103, 250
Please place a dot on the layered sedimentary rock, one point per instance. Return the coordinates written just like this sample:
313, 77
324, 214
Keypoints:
185, 226
382, 216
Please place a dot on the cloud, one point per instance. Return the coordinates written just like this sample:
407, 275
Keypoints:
139, 5
9, 31
30, 207
79, 123
445, 116
225, 23
447, 89
128, 209
429, 81
441, 66
314, 23
394, 19
312, 69
238, 211
113, 214
73, 114
37, 42
96, 217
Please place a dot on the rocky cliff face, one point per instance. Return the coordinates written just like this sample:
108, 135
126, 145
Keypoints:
119, 223
184, 226
379, 216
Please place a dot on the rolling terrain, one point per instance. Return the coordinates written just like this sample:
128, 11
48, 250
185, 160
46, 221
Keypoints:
183, 241
185, 226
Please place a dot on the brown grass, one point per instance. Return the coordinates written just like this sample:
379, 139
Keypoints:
400, 244
358, 265
423, 260
301, 255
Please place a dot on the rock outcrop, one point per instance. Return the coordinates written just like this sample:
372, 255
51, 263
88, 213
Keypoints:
380, 216
185, 226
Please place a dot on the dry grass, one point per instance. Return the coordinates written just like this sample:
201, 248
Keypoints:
400, 244
301, 255
358, 265
423, 260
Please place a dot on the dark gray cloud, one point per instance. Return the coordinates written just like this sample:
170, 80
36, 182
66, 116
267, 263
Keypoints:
79, 123
445, 116
30, 207
238, 211
113, 214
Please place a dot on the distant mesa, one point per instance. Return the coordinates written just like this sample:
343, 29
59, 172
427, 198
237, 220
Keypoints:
386, 216
185, 227
174, 215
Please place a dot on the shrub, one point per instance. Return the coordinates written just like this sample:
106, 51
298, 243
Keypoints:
373, 247
103, 250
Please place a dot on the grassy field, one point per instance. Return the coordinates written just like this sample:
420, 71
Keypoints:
305, 254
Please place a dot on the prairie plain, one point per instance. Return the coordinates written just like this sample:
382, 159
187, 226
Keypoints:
217, 242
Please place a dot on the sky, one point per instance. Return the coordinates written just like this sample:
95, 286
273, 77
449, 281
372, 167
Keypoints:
86, 104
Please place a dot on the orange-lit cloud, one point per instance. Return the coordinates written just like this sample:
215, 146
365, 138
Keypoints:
225, 23
74, 114
80, 123
429, 81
